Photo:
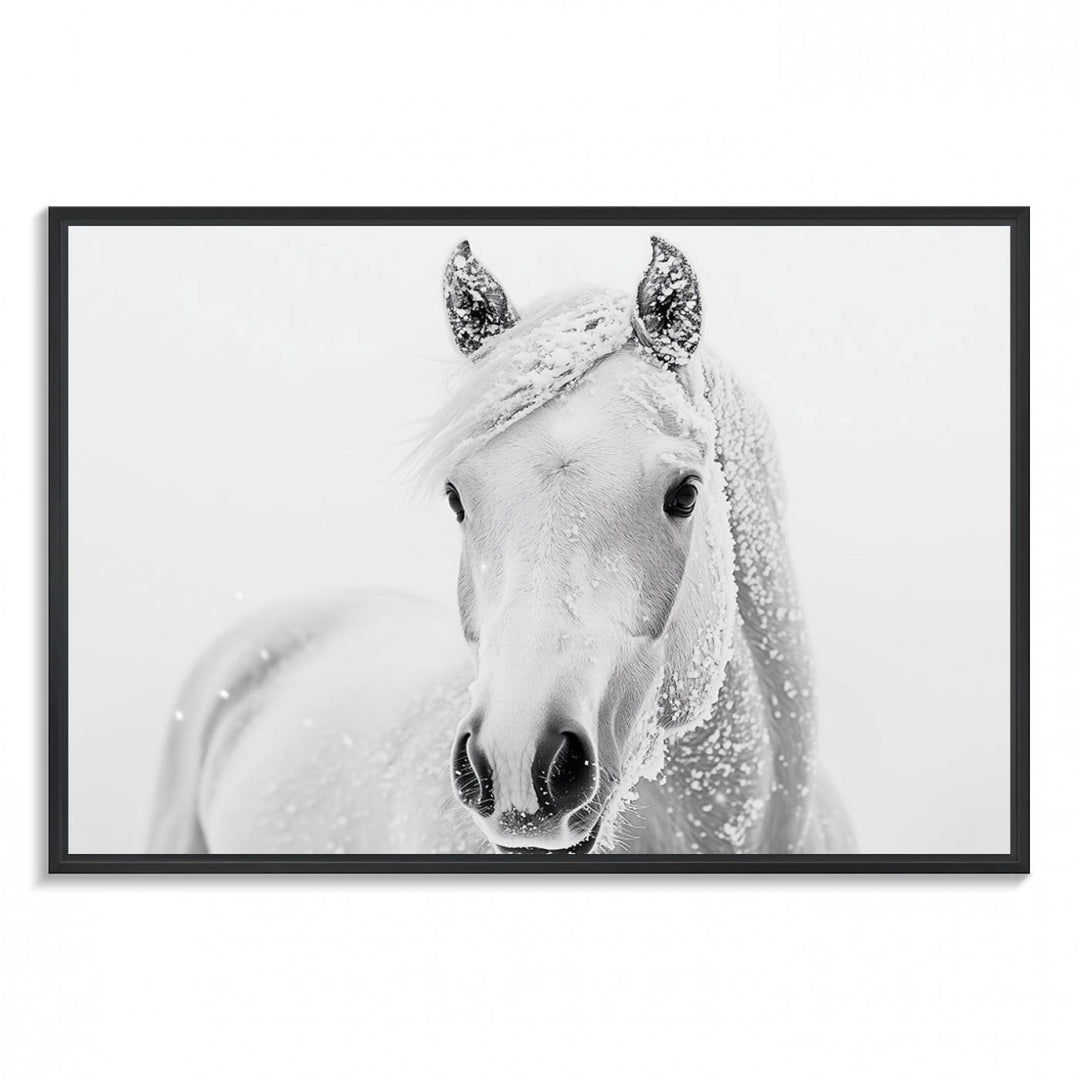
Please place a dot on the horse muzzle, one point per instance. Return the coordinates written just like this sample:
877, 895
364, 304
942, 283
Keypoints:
550, 809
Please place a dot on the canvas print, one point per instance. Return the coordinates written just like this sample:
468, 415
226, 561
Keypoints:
546, 541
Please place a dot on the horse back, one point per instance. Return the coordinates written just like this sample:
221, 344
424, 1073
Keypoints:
289, 725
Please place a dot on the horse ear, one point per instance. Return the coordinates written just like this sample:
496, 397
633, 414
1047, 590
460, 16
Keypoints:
668, 316
476, 304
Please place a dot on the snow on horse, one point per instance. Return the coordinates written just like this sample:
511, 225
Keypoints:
629, 670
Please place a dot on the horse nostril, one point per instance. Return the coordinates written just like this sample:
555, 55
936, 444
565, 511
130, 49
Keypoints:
564, 771
472, 776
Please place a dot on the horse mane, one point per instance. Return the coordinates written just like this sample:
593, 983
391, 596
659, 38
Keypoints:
771, 616
519, 370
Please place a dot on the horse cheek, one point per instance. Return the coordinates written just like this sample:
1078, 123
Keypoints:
466, 591
662, 578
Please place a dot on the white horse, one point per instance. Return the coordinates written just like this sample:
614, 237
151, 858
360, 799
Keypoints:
633, 673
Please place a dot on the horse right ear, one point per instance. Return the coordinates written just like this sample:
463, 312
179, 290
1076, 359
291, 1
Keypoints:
476, 304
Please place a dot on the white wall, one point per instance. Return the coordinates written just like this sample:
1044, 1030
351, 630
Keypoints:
627, 103
241, 400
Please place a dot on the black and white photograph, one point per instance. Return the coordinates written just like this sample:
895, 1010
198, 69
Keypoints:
539, 540
581, 542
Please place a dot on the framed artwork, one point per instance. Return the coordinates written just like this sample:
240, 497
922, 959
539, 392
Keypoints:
531, 540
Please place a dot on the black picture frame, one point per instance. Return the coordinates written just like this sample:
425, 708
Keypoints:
60, 860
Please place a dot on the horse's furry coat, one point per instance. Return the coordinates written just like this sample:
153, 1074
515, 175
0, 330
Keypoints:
734, 716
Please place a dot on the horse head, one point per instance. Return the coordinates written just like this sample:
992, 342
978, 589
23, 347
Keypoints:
596, 585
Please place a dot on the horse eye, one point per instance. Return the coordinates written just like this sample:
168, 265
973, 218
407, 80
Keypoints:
682, 498
454, 499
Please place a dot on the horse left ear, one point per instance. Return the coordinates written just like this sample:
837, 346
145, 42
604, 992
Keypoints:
668, 317
476, 304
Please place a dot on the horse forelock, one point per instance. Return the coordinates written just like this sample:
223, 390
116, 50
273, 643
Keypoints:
543, 356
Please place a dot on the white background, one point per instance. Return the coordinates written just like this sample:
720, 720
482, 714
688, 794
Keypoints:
621, 103
242, 399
